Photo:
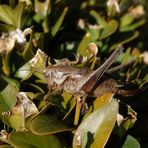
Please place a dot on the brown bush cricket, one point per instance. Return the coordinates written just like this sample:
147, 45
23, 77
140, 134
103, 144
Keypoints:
81, 81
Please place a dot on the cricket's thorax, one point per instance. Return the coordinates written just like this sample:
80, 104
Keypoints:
68, 78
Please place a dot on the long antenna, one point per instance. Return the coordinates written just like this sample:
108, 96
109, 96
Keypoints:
98, 73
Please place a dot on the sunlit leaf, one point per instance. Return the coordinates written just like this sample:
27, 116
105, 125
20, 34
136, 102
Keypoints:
83, 45
11, 16
100, 101
5, 14
24, 72
30, 140
18, 14
95, 130
46, 125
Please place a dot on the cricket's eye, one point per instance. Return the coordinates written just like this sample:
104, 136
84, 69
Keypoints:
47, 74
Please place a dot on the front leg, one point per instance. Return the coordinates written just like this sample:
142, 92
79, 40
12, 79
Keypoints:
81, 108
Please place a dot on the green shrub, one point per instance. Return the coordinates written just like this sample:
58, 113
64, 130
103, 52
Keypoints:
90, 30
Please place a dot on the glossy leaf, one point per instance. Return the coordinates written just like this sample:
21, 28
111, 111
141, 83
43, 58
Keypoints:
30, 140
8, 98
95, 130
24, 72
131, 142
46, 125
98, 103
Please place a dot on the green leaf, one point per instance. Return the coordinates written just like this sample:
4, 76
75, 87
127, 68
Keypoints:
131, 142
18, 11
8, 98
11, 16
124, 57
99, 19
98, 103
109, 29
133, 26
130, 37
70, 102
83, 45
5, 14
17, 121
95, 130
24, 72
46, 125
30, 140
59, 22
12, 81
126, 20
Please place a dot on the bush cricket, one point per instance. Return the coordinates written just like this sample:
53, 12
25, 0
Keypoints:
80, 81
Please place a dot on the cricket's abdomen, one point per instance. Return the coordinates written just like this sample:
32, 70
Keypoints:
107, 86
